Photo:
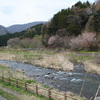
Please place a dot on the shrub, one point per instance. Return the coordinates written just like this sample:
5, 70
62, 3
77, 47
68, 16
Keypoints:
25, 43
37, 42
55, 41
13, 42
76, 43
85, 41
59, 41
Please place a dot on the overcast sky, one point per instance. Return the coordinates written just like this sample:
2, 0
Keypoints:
25, 11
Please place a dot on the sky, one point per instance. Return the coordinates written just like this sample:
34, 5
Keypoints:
26, 11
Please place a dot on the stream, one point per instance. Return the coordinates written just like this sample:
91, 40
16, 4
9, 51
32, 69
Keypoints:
61, 80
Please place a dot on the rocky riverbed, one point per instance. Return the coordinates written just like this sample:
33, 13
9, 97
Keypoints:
61, 80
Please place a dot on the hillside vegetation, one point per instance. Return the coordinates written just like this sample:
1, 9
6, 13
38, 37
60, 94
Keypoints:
29, 33
75, 28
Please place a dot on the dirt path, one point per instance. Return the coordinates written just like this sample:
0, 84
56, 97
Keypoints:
2, 98
20, 96
11, 92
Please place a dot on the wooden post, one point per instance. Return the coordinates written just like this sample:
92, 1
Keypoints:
9, 80
2, 78
36, 87
97, 93
65, 97
49, 93
25, 86
16, 83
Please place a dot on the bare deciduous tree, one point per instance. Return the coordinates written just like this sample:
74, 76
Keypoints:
84, 41
13, 42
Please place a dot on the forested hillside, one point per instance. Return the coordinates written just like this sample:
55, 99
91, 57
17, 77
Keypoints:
75, 19
76, 28
29, 33
75, 25
22, 27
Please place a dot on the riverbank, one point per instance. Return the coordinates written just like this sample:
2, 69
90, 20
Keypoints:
15, 71
59, 60
60, 80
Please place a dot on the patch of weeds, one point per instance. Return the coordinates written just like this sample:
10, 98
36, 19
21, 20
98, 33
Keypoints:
30, 81
84, 51
7, 95
45, 86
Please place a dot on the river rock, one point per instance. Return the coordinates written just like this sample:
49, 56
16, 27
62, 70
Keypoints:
60, 72
58, 85
63, 79
48, 73
75, 80
48, 76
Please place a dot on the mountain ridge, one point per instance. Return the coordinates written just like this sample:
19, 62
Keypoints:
21, 27
3, 30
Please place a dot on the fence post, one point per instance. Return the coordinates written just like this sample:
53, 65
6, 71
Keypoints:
25, 86
97, 92
2, 78
9, 80
49, 93
65, 96
16, 83
36, 89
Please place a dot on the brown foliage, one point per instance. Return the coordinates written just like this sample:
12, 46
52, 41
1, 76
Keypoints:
13, 42
85, 41
25, 43
55, 41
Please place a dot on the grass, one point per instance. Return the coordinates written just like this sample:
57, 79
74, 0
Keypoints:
25, 95
56, 61
52, 59
17, 75
7, 95
46, 59
91, 60
84, 51
92, 67
7, 71
79, 58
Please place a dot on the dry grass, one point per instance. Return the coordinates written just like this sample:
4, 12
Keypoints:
92, 67
7, 56
19, 96
56, 61
28, 97
52, 59
7, 71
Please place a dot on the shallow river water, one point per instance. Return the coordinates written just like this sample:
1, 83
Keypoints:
62, 80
